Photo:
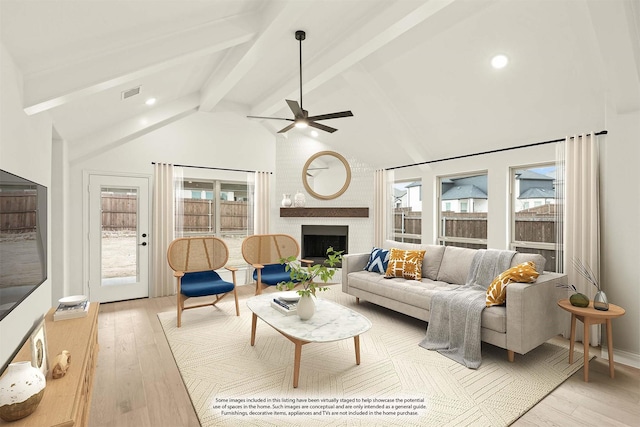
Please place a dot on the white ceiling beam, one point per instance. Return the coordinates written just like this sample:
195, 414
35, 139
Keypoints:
398, 18
114, 136
240, 60
52, 88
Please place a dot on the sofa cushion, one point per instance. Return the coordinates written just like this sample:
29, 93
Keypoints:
455, 265
537, 259
497, 290
378, 261
432, 257
405, 263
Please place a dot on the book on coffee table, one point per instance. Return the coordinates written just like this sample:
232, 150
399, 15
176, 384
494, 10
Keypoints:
64, 312
284, 307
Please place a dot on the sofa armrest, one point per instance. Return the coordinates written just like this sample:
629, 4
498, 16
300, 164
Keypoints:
533, 314
351, 263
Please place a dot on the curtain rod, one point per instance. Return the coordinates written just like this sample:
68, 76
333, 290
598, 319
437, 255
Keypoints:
602, 132
213, 168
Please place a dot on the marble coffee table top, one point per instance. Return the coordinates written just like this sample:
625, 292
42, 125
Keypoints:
331, 321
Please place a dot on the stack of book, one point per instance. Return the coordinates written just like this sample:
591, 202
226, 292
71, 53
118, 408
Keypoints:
64, 312
285, 307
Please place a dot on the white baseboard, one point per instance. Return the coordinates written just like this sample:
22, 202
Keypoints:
621, 356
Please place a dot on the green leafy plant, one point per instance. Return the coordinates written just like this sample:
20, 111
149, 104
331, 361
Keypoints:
306, 275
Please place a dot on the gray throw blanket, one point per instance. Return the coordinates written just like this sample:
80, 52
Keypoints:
455, 315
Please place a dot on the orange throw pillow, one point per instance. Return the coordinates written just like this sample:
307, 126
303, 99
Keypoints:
521, 273
405, 263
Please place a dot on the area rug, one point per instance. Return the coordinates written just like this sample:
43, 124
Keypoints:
397, 383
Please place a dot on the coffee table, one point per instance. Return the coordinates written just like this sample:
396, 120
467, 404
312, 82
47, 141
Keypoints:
331, 322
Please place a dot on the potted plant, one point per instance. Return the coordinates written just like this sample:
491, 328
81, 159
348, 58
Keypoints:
307, 276
600, 299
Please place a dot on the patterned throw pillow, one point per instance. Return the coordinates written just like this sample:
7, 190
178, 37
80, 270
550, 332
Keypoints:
406, 264
378, 260
521, 273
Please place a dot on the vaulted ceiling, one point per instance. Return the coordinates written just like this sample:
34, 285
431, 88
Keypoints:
416, 74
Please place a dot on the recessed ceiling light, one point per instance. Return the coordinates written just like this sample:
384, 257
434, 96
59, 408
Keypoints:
499, 61
150, 101
314, 133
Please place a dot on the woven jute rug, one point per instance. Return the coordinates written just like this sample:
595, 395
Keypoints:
397, 383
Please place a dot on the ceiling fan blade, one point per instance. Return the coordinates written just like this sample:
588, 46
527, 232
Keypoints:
332, 115
295, 108
322, 127
269, 118
286, 129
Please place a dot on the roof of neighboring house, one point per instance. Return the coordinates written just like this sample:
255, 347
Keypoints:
528, 174
464, 192
414, 184
538, 193
397, 193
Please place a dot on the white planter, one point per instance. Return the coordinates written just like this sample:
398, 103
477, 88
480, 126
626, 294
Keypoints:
286, 200
21, 390
306, 307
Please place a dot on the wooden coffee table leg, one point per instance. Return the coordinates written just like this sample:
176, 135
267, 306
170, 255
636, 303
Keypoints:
572, 337
254, 321
296, 363
356, 341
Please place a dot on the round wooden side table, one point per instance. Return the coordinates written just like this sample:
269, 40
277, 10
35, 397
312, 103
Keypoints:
590, 316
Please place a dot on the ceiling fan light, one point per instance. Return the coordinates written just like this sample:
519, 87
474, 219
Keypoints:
301, 124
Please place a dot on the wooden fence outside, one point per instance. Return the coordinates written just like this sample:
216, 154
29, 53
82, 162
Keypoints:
18, 213
119, 214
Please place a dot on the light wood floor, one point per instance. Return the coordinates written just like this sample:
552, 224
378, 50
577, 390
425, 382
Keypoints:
138, 384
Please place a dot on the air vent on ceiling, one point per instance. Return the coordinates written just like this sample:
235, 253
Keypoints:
130, 92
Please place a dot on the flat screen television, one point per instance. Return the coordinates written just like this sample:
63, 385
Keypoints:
23, 239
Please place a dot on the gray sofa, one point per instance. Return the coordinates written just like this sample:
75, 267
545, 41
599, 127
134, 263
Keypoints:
530, 317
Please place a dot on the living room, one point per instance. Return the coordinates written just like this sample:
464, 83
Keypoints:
420, 93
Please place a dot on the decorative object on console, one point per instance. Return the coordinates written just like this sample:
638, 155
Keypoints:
579, 300
306, 275
61, 364
522, 273
286, 200
75, 311
405, 263
21, 390
39, 356
600, 300
299, 200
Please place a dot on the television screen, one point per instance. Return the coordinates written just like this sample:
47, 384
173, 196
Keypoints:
23, 239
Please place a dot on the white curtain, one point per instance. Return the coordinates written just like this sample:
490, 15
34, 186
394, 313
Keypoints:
162, 280
383, 206
582, 216
261, 209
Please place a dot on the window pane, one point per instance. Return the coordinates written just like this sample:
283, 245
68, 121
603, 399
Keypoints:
119, 244
463, 210
548, 254
534, 205
408, 211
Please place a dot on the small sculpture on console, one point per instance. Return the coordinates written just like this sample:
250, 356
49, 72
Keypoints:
61, 364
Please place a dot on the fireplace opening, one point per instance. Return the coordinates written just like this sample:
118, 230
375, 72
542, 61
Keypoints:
316, 239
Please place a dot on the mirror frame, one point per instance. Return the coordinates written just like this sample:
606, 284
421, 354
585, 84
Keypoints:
330, 196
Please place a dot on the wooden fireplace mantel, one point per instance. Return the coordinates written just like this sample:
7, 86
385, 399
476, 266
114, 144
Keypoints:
324, 212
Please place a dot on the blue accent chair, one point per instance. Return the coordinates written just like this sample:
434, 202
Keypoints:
194, 261
264, 252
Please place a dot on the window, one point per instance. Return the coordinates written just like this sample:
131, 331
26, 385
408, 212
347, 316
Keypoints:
218, 208
534, 208
462, 217
407, 213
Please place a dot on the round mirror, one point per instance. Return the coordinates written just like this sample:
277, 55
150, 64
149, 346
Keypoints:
326, 175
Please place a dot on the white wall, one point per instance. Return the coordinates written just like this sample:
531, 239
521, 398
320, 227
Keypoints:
25, 150
201, 139
292, 153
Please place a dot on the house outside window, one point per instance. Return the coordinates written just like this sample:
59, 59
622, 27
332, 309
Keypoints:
534, 212
407, 211
462, 217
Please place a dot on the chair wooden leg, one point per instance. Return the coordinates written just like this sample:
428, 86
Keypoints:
180, 304
235, 295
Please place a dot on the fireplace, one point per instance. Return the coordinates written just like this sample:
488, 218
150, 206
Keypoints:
316, 239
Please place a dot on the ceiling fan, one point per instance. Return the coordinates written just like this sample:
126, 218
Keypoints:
301, 118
